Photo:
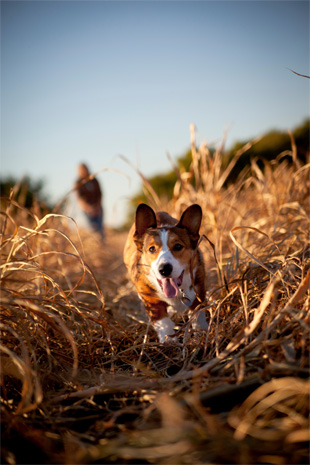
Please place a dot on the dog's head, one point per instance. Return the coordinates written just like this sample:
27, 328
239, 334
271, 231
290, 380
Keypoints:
167, 245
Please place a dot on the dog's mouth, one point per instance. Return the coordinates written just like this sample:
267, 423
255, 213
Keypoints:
171, 286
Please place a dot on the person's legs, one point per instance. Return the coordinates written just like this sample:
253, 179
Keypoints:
96, 223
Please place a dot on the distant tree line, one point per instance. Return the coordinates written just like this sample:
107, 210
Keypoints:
271, 146
26, 191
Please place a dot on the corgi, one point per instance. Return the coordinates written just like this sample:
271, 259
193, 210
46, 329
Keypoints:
166, 266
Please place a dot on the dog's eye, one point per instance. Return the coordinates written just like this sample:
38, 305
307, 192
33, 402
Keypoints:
177, 247
152, 249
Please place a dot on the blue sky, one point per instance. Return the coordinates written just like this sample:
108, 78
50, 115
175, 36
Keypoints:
86, 81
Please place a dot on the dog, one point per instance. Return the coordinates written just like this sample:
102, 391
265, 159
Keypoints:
166, 266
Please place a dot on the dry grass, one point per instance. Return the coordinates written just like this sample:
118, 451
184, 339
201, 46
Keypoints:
83, 377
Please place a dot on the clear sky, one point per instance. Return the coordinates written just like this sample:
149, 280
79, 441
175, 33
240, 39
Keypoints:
88, 80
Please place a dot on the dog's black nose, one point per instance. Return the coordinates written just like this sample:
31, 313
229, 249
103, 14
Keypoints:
165, 269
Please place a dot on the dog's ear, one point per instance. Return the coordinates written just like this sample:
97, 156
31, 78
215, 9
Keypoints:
145, 218
191, 220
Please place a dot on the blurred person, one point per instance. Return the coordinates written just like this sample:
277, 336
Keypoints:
89, 197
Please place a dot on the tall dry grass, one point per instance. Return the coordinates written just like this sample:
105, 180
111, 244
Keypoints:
83, 377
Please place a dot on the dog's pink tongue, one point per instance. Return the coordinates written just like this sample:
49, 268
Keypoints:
170, 288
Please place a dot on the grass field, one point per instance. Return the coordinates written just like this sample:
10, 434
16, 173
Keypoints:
83, 377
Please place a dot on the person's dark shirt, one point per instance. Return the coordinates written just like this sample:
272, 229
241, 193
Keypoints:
89, 191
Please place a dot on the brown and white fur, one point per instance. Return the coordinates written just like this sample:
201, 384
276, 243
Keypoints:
166, 266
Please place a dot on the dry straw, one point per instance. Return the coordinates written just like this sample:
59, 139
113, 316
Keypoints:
83, 377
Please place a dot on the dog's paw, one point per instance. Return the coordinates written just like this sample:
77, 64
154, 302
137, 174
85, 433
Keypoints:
165, 330
199, 321
173, 340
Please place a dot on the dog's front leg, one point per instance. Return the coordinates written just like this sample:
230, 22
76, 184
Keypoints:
161, 322
165, 330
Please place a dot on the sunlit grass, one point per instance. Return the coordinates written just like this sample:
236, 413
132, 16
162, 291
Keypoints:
83, 376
